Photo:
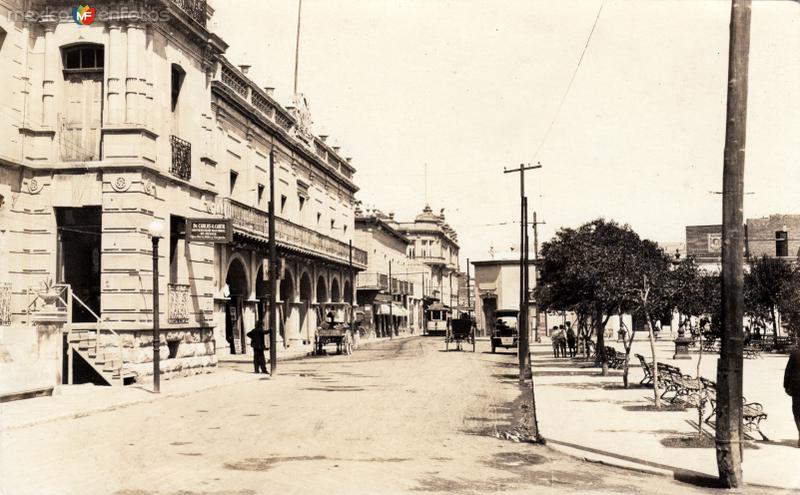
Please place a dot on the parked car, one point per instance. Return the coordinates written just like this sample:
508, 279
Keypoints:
504, 330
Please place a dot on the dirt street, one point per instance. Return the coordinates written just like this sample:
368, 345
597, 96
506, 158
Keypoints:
396, 417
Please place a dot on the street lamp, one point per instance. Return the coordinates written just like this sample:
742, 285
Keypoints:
156, 231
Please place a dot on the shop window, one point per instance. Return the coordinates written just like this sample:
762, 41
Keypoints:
781, 243
178, 75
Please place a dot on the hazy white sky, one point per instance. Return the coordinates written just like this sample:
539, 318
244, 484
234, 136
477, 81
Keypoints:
470, 86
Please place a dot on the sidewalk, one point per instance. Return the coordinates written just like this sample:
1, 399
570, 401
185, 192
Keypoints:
73, 401
590, 416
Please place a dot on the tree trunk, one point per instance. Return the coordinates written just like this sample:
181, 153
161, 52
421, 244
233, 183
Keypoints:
656, 391
597, 323
774, 325
628, 343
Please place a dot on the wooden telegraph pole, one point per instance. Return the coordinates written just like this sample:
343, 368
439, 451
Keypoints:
272, 325
522, 320
729, 365
536, 265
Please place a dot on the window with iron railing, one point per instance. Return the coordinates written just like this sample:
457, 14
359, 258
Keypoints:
181, 158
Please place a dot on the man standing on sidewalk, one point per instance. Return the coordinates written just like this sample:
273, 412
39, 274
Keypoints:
791, 383
257, 341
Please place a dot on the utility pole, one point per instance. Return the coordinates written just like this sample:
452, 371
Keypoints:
391, 303
536, 267
273, 272
522, 319
352, 312
424, 318
729, 365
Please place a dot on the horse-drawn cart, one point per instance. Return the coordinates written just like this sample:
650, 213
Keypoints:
338, 333
461, 330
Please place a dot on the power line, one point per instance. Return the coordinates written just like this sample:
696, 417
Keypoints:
569, 86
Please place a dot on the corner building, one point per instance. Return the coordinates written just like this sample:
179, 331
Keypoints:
134, 118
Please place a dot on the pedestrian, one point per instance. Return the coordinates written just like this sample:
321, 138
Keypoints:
257, 342
562, 340
571, 340
791, 383
554, 339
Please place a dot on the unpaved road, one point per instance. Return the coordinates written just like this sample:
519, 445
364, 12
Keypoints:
396, 417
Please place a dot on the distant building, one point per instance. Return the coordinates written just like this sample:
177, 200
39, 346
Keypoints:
774, 236
497, 287
704, 243
386, 294
435, 244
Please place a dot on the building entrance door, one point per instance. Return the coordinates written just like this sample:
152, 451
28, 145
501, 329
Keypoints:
79, 258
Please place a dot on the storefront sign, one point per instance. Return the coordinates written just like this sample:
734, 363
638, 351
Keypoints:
208, 230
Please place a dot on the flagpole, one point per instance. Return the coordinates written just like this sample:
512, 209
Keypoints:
297, 44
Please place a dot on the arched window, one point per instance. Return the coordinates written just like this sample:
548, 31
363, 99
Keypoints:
83, 57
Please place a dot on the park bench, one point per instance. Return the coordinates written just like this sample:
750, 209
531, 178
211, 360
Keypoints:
782, 344
648, 373
616, 359
752, 412
752, 350
709, 343
666, 378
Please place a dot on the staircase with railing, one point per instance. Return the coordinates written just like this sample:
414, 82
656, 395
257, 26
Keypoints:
95, 342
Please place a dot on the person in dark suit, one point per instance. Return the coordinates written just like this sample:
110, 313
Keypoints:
791, 383
256, 336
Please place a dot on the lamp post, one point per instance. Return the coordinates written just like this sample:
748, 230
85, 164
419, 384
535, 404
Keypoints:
156, 230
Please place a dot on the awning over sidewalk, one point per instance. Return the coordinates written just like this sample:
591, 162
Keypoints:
396, 310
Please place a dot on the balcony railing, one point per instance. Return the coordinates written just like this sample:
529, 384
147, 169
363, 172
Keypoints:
288, 234
241, 85
178, 303
375, 281
196, 9
181, 158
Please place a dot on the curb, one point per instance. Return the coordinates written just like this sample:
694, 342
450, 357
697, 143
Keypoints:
121, 405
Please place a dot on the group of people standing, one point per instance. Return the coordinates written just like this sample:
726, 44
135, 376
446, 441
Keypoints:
564, 341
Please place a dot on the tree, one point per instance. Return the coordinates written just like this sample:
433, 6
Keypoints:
769, 282
584, 271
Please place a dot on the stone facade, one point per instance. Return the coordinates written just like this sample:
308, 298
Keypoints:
763, 236
110, 126
434, 244
378, 235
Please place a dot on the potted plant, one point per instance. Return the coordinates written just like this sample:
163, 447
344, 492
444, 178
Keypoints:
49, 293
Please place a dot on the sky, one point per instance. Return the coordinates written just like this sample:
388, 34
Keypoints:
434, 98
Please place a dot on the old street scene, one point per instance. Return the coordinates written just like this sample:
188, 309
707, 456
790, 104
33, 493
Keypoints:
410, 246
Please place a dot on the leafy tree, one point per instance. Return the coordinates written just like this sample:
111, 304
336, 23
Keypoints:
588, 270
767, 286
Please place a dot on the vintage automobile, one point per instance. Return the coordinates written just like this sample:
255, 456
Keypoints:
504, 329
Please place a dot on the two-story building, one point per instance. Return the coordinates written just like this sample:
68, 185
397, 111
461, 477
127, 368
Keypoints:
135, 117
435, 245
387, 294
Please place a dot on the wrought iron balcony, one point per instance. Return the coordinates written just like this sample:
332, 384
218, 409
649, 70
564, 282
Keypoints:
252, 221
178, 303
181, 158
196, 9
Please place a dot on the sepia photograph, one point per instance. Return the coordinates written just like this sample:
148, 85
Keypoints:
367, 247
